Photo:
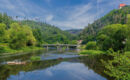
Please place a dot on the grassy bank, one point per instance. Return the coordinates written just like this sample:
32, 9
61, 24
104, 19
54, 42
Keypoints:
91, 52
6, 49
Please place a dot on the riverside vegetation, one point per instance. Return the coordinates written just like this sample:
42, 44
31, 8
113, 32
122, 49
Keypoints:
106, 36
27, 35
113, 40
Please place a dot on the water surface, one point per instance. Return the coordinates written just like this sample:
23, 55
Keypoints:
53, 65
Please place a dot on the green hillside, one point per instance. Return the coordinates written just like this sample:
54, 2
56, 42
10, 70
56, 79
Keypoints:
74, 31
44, 33
117, 16
48, 33
18, 36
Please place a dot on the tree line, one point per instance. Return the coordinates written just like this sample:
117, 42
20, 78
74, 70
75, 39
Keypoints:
116, 16
111, 38
26, 33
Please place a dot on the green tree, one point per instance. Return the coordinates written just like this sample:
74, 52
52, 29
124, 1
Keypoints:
30, 39
128, 19
73, 42
116, 16
17, 37
20, 36
128, 39
3, 33
47, 33
113, 36
91, 45
118, 68
4, 18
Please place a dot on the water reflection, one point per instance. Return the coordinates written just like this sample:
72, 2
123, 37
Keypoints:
71, 67
62, 71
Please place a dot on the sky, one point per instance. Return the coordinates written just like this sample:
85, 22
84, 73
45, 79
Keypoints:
65, 14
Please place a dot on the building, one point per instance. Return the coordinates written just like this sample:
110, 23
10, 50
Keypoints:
80, 41
122, 5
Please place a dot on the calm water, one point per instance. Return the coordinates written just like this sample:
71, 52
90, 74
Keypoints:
53, 65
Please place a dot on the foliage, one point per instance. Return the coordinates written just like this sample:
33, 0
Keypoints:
23, 34
73, 42
118, 16
128, 19
20, 36
3, 33
91, 52
118, 67
128, 37
113, 36
4, 18
4, 48
91, 45
45, 33
35, 58
88, 38
7, 49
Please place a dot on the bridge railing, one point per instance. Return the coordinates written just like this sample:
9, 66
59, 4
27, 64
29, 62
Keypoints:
59, 45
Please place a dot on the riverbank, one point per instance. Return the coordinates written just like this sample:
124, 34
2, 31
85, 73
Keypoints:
91, 52
122, 61
7, 50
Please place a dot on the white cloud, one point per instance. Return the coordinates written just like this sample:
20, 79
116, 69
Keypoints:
48, 73
77, 18
21, 8
75, 69
49, 18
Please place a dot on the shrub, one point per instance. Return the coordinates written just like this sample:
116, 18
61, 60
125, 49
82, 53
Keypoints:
91, 52
35, 58
5, 49
113, 36
118, 67
91, 45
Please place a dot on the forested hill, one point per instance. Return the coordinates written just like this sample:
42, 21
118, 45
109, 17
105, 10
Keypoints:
20, 36
44, 33
49, 34
74, 31
114, 17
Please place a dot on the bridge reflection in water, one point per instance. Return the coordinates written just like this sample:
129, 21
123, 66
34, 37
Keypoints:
61, 46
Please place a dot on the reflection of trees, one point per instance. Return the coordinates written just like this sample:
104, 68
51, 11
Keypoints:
94, 63
7, 70
24, 56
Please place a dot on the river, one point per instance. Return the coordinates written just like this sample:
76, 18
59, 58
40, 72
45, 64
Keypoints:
52, 65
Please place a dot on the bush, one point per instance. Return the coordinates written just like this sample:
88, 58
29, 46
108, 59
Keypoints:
5, 49
2, 49
118, 67
91, 45
113, 36
35, 58
20, 36
91, 52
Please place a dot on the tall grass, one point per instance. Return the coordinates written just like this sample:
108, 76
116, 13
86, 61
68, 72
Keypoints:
91, 52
